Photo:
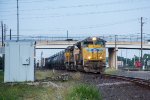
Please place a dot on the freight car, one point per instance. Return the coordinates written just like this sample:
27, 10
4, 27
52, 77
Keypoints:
56, 61
88, 55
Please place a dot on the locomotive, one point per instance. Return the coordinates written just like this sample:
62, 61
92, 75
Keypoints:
88, 55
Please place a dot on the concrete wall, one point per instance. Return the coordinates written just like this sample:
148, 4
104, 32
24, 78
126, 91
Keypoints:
112, 58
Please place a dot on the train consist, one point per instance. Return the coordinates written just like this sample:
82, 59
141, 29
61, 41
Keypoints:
88, 55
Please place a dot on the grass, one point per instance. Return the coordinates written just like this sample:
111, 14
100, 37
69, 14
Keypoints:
69, 90
46, 74
43, 74
84, 92
110, 71
25, 92
1, 76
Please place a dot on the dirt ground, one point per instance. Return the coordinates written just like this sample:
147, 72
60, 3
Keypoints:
111, 89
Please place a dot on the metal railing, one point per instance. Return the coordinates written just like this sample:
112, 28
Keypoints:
109, 38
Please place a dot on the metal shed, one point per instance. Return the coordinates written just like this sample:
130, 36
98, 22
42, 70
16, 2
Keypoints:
19, 61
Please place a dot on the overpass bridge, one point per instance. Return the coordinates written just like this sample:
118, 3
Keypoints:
62, 44
124, 42
112, 47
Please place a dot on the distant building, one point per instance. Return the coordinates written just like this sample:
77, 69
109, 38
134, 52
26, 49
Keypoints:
148, 63
120, 63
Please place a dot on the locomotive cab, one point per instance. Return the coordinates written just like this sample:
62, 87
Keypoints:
94, 54
69, 57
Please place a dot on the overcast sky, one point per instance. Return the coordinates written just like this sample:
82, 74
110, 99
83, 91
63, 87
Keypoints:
79, 17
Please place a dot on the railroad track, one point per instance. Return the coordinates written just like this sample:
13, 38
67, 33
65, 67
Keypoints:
137, 81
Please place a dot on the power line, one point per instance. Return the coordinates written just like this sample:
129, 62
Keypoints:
86, 5
87, 13
91, 13
111, 24
85, 27
21, 1
80, 6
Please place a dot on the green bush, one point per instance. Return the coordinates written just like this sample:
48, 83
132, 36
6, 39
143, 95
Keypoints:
84, 92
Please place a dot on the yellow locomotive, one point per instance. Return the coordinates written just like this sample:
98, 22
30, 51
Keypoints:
87, 55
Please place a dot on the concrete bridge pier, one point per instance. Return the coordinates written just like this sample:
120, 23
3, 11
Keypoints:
113, 58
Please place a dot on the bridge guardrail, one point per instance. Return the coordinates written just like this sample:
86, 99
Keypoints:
129, 38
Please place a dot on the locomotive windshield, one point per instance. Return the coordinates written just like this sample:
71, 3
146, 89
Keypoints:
99, 42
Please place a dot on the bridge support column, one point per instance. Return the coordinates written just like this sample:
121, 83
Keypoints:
112, 58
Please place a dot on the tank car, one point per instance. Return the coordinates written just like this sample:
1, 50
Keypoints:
56, 61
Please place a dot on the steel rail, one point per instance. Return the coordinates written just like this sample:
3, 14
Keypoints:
137, 81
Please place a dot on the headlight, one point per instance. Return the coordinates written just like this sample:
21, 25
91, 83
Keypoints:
89, 57
100, 57
94, 38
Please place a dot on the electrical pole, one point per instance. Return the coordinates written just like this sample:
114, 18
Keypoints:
121, 59
5, 31
10, 34
142, 40
116, 52
67, 34
2, 45
17, 21
134, 60
2, 33
126, 58
42, 59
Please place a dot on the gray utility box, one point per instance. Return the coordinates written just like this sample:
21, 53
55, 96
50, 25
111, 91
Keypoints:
19, 61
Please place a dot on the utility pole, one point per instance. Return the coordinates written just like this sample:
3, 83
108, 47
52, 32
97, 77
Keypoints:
121, 59
126, 58
10, 34
2, 45
42, 59
5, 31
139, 56
17, 21
142, 40
116, 52
134, 60
67, 34
2, 33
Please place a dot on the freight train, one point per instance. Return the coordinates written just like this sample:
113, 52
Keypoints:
88, 55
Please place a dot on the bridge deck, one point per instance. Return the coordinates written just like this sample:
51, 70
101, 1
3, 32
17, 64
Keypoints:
61, 44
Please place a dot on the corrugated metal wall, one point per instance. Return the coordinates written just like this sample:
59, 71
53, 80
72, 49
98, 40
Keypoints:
19, 61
